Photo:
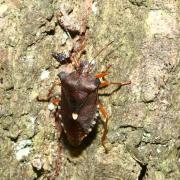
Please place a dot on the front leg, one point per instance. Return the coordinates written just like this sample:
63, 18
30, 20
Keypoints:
49, 95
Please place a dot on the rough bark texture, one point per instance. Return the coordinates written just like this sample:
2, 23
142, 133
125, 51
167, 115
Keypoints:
144, 127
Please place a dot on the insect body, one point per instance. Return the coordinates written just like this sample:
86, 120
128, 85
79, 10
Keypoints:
79, 97
79, 101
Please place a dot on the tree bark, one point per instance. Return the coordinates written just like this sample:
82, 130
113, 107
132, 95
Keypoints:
144, 125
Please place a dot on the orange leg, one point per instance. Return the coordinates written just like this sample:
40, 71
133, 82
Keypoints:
101, 75
104, 73
106, 83
56, 101
49, 95
104, 113
81, 42
105, 124
77, 52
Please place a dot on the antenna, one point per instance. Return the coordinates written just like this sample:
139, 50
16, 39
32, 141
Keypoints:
98, 53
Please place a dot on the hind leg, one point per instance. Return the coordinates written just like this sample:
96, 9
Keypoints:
105, 125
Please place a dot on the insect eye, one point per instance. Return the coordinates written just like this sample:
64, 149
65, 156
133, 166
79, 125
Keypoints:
97, 81
62, 75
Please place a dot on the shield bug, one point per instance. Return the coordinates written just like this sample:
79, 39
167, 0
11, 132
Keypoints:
79, 88
79, 102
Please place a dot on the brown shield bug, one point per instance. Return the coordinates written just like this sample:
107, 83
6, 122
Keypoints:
79, 88
79, 101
